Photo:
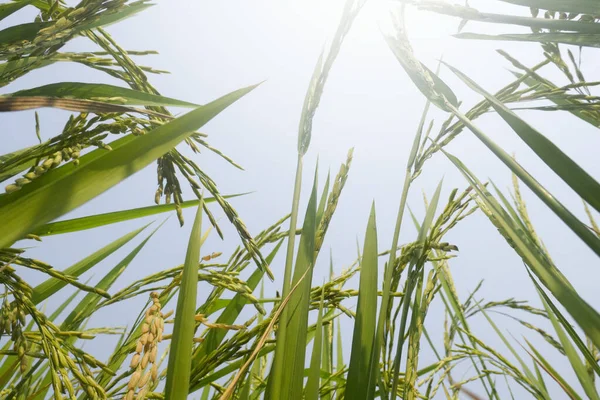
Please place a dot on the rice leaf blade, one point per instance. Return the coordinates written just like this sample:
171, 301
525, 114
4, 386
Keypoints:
361, 371
52, 285
180, 355
98, 171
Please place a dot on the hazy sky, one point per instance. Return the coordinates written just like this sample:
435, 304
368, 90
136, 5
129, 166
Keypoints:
212, 48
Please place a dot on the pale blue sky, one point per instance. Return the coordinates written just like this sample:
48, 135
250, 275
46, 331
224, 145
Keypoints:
212, 48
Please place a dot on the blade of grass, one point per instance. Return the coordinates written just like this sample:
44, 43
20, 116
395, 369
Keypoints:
180, 355
586, 316
570, 172
97, 220
573, 6
314, 372
557, 207
410, 284
361, 369
98, 171
10, 8
576, 363
285, 379
575, 39
107, 93
546, 366
52, 285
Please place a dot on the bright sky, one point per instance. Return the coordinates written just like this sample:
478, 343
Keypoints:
212, 48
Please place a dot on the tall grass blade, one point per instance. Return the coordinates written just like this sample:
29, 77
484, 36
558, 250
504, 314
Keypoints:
361, 371
314, 373
410, 285
285, 379
180, 355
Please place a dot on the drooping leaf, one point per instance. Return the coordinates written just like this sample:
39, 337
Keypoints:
66, 188
101, 92
570, 172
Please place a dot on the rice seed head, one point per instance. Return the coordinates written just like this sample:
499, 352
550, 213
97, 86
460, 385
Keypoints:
135, 360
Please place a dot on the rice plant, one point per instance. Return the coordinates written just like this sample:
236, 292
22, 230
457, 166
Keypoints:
237, 342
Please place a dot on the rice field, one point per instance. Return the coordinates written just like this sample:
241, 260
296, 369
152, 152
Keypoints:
257, 320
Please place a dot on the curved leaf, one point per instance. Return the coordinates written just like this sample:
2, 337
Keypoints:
97, 220
102, 92
66, 188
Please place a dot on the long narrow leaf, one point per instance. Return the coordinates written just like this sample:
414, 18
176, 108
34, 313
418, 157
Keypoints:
570, 172
53, 285
361, 369
63, 189
97, 220
180, 355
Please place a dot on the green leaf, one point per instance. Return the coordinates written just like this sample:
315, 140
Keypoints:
27, 31
101, 92
361, 371
66, 188
107, 19
89, 303
576, 39
556, 206
546, 366
180, 355
586, 316
20, 167
339, 349
97, 220
470, 14
576, 363
528, 373
12, 7
323, 200
432, 87
327, 354
569, 328
234, 307
569, 171
285, 380
17, 103
314, 372
53, 285
571, 6
412, 282
87, 306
